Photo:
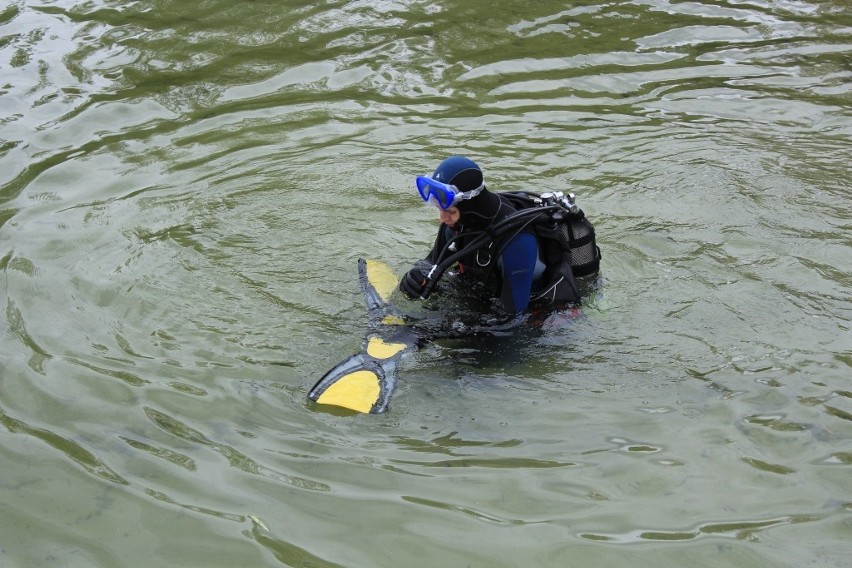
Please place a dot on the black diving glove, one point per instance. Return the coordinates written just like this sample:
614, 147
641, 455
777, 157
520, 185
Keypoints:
414, 281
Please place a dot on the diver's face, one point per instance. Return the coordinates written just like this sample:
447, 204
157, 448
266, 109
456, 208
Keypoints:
449, 216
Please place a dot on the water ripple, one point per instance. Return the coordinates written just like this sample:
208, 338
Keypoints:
73, 450
739, 530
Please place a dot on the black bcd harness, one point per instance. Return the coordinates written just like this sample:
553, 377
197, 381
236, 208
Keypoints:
567, 243
565, 231
566, 237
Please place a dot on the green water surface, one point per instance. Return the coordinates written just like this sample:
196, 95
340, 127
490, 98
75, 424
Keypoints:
185, 188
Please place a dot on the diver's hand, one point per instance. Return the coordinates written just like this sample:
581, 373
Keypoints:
413, 283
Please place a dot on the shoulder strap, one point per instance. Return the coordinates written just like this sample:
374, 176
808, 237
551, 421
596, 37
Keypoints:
521, 199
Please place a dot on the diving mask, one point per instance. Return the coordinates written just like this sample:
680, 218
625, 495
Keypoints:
441, 194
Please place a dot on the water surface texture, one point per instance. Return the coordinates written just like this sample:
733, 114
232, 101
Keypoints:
185, 188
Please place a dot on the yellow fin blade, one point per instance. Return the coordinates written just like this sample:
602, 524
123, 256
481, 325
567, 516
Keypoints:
378, 348
382, 278
392, 320
356, 391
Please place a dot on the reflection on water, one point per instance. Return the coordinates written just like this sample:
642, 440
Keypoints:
184, 190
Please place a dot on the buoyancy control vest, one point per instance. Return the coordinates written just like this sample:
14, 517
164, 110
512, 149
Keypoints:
566, 244
566, 239
566, 235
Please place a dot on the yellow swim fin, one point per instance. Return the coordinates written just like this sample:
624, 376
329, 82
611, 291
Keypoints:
365, 381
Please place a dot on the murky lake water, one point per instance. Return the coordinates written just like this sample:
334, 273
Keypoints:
185, 188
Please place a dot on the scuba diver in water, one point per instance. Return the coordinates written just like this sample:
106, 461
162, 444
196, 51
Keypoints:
509, 252
523, 248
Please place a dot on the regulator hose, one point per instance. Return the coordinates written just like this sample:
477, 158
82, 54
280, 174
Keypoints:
519, 218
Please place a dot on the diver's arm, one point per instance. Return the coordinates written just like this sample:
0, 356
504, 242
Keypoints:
518, 268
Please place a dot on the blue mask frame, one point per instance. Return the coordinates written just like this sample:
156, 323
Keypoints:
441, 194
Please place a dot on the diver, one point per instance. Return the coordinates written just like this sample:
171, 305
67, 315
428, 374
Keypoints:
522, 248
508, 252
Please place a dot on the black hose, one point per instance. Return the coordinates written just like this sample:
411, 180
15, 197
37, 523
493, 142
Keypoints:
503, 226
532, 197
